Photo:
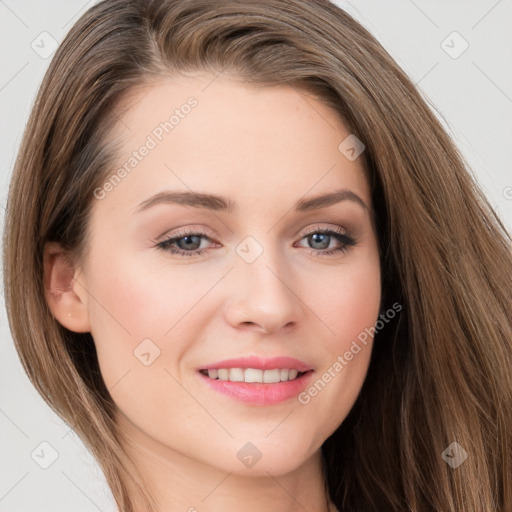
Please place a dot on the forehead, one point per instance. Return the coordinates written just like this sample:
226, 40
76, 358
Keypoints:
215, 134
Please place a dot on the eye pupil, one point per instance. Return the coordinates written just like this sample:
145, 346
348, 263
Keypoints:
194, 239
323, 241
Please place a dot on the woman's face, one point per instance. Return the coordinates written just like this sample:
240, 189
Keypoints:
259, 268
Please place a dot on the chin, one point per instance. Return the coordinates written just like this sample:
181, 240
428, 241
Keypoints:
259, 458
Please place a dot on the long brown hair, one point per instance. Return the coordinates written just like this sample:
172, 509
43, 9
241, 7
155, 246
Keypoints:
439, 373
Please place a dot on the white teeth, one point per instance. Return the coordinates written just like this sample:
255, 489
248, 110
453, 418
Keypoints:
223, 374
236, 375
272, 376
253, 375
292, 374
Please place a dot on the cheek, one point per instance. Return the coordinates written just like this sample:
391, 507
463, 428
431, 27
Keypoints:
130, 303
349, 310
145, 294
358, 303
348, 302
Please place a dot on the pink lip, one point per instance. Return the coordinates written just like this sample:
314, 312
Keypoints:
259, 393
261, 363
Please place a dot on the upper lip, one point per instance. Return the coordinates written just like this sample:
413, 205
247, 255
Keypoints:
261, 363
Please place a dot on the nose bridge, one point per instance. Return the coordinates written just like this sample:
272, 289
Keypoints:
263, 288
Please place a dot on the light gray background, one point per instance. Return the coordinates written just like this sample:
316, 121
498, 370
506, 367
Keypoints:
471, 94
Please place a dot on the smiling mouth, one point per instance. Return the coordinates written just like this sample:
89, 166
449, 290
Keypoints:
253, 375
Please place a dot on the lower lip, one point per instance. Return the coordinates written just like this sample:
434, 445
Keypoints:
258, 393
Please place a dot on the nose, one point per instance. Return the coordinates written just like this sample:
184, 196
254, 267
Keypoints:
263, 295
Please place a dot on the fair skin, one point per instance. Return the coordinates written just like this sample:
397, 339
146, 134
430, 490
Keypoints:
264, 150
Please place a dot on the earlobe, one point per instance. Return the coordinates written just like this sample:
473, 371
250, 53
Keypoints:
65, 294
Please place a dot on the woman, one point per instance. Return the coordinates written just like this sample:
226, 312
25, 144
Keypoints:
338, 335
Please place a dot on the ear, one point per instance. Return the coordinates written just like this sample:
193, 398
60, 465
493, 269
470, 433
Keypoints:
65, 290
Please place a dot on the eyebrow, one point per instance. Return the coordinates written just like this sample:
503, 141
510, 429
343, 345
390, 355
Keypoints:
222, 204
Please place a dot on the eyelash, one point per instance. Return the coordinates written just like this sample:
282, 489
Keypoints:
346, 240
